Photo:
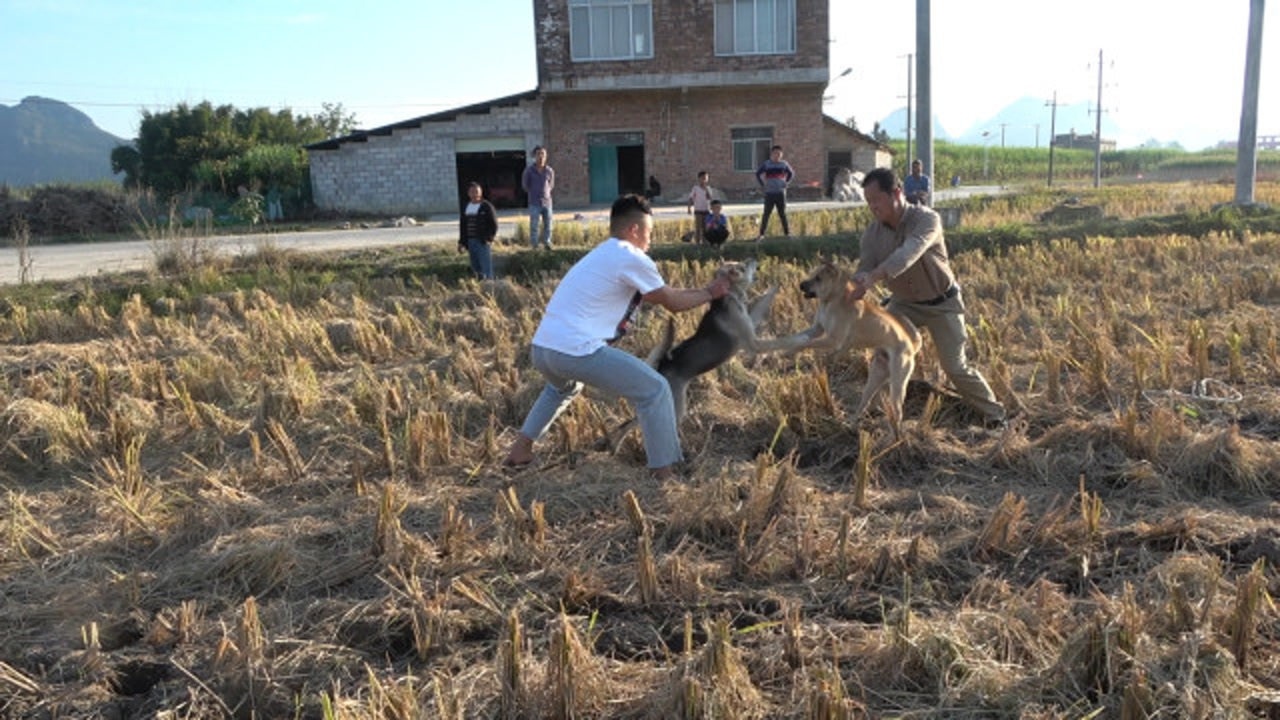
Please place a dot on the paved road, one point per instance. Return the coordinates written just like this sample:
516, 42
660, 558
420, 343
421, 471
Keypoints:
73, 260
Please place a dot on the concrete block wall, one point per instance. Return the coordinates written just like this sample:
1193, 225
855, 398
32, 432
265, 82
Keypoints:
413, 169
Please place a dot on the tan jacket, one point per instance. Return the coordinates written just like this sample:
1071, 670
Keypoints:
912, 257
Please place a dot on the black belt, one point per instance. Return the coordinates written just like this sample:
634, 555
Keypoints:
951, 292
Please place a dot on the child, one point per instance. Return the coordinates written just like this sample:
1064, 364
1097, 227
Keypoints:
699, 197
715, 228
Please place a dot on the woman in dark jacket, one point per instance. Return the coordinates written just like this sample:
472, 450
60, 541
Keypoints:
477, 226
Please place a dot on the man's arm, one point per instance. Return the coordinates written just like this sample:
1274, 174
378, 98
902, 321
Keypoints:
681, 299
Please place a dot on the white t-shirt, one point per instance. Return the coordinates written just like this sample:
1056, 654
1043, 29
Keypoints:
592, 298
701, 198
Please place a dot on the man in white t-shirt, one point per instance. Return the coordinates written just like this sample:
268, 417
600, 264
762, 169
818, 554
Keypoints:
589, 311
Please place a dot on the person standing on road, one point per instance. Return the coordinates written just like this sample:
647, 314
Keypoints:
774, 175
477, 227
904, 248
917, 186
538, 182
589, 311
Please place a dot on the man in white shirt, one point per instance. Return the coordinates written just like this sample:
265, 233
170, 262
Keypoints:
587, 313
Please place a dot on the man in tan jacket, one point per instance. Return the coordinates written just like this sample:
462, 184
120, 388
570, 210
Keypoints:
904, 249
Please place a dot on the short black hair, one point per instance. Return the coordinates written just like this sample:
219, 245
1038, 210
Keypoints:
626, 209
883, 178
716, 202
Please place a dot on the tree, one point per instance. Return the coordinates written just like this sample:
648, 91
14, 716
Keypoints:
334, 121
221, 148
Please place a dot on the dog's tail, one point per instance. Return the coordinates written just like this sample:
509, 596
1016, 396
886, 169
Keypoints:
663, 348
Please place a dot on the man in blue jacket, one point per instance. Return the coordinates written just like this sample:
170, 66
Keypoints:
774, 175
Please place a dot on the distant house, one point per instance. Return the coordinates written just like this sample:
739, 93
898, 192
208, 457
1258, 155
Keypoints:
850, 148
626, 90
1072, 141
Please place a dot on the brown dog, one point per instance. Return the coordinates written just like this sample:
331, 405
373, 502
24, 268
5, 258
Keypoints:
845, 323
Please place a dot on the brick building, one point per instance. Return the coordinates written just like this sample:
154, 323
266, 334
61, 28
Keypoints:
627, 90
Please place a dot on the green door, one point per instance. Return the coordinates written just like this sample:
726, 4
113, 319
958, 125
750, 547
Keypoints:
602, 167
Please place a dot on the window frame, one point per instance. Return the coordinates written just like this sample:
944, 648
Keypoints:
759, 138
583, 42
729, 36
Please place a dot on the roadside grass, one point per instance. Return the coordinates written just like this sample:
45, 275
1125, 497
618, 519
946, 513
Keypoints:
270, 489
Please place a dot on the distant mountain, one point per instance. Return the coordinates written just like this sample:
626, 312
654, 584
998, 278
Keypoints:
45, 141
1025, 123
895, 124
1022, 123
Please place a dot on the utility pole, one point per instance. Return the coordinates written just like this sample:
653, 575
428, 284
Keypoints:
1097, 132
1002, 127
1247, 144
1053, 120
907, 168
924, 78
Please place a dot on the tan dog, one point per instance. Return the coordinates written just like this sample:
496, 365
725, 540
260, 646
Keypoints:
845, 323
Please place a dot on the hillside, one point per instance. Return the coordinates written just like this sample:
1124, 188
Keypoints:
47, 141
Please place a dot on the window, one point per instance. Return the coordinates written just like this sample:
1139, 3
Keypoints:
750, 147
610, 29
755, 27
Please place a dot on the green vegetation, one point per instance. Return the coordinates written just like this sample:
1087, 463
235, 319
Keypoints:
1030, 166
222, 149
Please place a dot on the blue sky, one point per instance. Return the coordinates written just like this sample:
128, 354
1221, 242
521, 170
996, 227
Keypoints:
1172, 71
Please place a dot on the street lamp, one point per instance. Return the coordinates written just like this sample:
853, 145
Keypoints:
826, 98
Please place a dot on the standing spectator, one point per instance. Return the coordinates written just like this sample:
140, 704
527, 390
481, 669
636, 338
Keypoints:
587, 313
774, 175
916, 186
903, 247
716, 225
699, 203
477, 227
538, 182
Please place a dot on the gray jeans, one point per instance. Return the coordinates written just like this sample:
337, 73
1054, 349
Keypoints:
617, 373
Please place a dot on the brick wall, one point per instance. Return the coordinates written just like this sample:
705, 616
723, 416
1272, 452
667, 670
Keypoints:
683, 50
411, 169
685, 131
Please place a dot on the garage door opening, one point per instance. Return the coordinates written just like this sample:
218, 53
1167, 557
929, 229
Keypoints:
497, 164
